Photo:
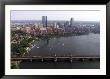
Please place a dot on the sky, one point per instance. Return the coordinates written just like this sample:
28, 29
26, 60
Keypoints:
56, 15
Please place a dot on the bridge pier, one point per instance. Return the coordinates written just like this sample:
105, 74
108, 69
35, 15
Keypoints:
55, 59
31, 60
71, 60
42, 59
83, 59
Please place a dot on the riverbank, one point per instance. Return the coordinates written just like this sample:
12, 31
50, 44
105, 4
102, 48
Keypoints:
86, 44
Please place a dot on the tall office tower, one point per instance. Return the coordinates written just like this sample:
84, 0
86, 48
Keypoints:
67, 24
72, 22
44, 21
55, 24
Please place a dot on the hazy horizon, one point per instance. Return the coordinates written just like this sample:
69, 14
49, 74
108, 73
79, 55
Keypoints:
56, 15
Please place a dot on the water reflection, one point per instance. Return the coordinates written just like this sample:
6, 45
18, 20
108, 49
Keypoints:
75, 45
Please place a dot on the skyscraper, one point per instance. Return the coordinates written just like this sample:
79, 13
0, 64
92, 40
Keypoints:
71, 21
44, 21
67, 24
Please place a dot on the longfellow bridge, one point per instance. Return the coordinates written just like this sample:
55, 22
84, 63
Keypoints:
56, 58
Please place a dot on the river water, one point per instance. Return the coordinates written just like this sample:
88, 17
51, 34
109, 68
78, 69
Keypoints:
76, 45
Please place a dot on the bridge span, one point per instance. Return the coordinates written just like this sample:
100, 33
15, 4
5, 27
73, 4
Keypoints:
55, 58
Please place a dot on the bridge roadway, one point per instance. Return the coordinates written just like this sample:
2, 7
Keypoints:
55, 58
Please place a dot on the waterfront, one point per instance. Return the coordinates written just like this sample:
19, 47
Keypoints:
75, 45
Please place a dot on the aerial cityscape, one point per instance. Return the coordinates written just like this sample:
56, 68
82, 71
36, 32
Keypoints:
35, 44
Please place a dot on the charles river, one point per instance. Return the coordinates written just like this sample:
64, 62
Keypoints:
76, 45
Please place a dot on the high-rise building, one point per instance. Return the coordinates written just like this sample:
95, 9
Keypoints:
44, 21
71, 21
67, 24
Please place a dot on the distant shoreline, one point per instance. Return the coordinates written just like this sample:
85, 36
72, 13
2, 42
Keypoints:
54, 20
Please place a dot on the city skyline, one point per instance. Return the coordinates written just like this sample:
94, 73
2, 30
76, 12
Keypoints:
61, 15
